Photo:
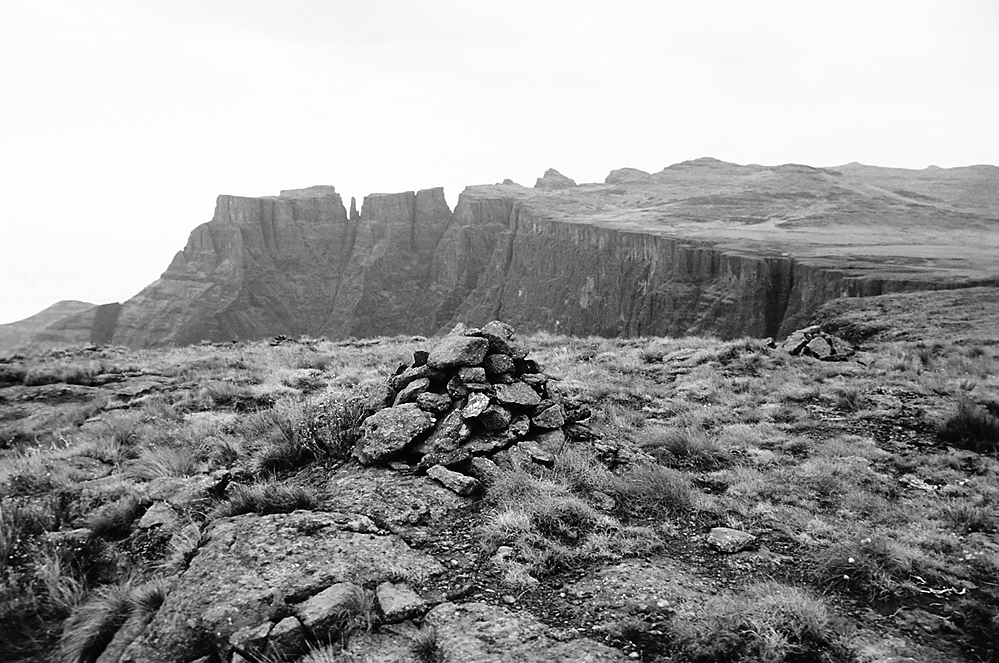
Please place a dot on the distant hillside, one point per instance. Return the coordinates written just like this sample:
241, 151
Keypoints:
15, 334
701, 247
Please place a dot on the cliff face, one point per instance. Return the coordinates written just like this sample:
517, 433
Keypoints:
702, 247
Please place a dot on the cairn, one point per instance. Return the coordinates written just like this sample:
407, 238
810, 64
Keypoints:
473, 404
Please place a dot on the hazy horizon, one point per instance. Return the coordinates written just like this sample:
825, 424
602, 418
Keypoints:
124, 121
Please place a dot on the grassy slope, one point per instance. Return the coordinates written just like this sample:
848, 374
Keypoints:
871, 525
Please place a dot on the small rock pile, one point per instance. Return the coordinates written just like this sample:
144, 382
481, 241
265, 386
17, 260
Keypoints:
472, 404
815, 343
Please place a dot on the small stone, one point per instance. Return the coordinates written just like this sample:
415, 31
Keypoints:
485, 470
635, 655
472, 374
251, 638
399, 602
517, 393
477, 404
399, 466
727, 540
420, 358
456, 388
458, 483
508, 599
287, 639
553, 417
433, 403
412, 391
498, 329
535, 380
399, 381
446, 436
497, 364
159, 514
381, 396
448, 459
320, 614
458, 351
537, 454
495, 417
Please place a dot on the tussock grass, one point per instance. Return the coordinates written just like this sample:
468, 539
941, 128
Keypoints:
115, 519
93, 625
683, 447
73, 373
770, 623
158, 462
265, 498
972, 426
424, 644
874, 567
653, 491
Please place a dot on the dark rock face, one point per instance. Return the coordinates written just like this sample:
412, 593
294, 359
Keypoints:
702, 247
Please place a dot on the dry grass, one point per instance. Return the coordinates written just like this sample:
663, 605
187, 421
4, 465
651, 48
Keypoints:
265, 498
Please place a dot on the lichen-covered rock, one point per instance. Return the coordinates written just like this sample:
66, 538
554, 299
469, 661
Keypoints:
454, 481
388, 431
497, 364
447, 435
518, 394
286, 640
476, 405
490, 634
483, 469
486, 443
472, 375
434, 403
251, 569
448, 459
454, 351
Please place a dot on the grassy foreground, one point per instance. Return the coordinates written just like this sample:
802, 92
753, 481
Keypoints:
872, 485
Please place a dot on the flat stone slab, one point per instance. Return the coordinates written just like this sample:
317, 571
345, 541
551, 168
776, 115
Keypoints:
455, 481
253, 567
454, 351
491, 634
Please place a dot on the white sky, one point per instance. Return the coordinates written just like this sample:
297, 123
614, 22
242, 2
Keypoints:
121, 121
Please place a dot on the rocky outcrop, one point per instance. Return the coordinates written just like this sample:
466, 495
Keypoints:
702, 247
552, 179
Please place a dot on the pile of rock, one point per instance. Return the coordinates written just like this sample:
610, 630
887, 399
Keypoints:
815, 343
472, 404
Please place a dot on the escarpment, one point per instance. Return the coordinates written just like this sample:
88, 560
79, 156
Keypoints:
702, 247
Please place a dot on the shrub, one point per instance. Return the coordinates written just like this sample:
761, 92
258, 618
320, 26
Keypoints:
972, 427
653, 491
771, 623
265, 498
304, 431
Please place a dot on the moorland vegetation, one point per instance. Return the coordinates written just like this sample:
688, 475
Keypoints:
871, 487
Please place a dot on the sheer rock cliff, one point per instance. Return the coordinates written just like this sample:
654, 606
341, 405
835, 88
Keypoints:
702, 247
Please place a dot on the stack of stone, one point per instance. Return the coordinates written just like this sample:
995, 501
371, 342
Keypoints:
472, 404
815, 343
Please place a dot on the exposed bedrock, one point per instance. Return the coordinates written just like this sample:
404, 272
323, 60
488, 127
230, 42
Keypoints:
299, 263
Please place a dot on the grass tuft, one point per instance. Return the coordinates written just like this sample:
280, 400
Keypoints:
972, 426
265, 498
653, 491
93, 625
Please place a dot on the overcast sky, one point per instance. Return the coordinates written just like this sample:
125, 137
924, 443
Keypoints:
121, 121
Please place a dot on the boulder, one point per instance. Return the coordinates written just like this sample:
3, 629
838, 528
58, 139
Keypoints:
454, 351
388, 431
